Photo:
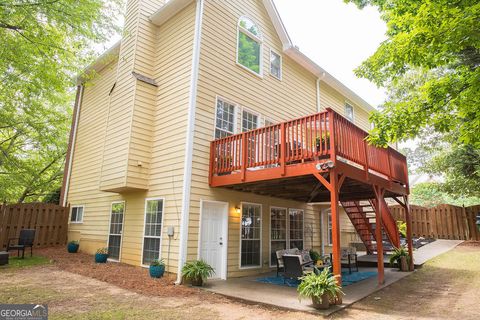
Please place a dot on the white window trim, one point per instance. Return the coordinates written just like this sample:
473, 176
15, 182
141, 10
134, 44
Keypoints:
329, 221
265, 119
347, 103
281, 64
303, 226
251, 112
261, 232
253, 37
272, 264
71, 210
161, 230
235, 110
121, 235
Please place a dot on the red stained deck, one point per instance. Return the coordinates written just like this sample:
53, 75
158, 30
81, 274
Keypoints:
308, 141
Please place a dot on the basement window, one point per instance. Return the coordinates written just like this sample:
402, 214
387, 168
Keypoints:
76, 215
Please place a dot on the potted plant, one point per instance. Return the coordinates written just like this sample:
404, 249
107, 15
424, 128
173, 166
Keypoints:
323, 142
401, 257
101, 255
197, 272
157, 268
315, 256
72, 246
320, 288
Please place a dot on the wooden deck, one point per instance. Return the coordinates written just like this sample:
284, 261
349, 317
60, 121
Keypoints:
313, 145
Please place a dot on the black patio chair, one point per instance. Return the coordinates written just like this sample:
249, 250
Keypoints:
293, 268
25, 240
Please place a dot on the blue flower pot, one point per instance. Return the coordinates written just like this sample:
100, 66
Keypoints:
156, 271
101, 257
72, 247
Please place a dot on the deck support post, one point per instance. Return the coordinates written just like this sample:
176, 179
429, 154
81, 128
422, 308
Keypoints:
337, 268
408, 220
379, 193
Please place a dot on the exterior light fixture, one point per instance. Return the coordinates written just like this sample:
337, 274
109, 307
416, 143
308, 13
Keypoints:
237, 210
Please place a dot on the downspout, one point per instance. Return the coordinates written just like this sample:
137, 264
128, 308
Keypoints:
71, 145
321, 233
187, 172
319, 107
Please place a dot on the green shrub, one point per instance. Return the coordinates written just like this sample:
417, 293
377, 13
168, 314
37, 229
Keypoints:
316, 285
196, 270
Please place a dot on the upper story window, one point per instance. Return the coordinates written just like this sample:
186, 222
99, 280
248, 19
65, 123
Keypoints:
224, 119
249, 121
275, 65
349, 112
249, 45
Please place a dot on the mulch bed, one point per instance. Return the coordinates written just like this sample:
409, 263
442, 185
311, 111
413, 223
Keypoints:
470, 243
125, 276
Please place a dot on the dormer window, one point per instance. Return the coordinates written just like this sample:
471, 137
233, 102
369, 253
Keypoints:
249, 46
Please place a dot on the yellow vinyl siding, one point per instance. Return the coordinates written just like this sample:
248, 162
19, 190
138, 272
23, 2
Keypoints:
219, 75
330, 98
157, 139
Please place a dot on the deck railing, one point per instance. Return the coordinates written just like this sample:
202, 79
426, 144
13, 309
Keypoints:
319, 136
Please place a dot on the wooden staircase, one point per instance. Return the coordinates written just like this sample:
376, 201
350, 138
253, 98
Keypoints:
362, 216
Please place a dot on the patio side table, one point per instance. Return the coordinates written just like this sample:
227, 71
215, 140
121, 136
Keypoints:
3, 258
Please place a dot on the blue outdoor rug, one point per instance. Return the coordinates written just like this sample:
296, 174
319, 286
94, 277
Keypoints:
347, 279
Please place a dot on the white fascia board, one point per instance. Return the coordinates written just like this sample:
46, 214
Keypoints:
278, 23
102, 61
168, 10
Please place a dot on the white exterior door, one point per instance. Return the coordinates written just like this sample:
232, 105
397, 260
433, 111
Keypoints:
213, 237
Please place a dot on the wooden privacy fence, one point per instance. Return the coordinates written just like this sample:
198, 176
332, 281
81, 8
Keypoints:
442, 222
49, 220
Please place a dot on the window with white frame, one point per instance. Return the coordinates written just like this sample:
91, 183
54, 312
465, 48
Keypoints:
153, 230
224, 119
295, 225
329, 228
249, 121
76, 215
250, 246
278, 232
349, 112
249, 45
275, 65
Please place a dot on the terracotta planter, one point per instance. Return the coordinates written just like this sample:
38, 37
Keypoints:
321, 303
403, 264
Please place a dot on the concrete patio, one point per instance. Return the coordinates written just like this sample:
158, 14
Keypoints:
250, 290
247, 289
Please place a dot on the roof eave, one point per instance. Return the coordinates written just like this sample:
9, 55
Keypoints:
101, 62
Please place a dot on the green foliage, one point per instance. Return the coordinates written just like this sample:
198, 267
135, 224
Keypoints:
402, 228
102, 251
157, 262
197, 269
315, 255
430, 67
399, 252
316, 285
44, 45
431, 194
248, 52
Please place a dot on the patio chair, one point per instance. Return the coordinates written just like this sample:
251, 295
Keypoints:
279, 254
293, 268
25, 240
348, 258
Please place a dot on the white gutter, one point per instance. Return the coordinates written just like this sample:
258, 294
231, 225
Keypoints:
72, 146
187, 173
319, 106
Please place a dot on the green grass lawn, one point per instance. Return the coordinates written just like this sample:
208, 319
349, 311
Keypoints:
16, 262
